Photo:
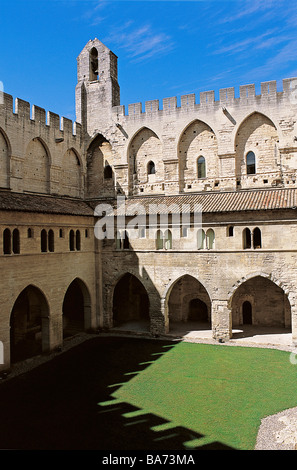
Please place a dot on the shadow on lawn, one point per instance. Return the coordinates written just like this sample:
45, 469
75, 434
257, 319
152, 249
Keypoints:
55, 406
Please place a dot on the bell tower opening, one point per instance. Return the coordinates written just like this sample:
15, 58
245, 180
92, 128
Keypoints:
94, 69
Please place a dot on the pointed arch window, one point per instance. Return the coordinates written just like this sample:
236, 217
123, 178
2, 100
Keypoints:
77, 240
107, 172
51, 241
71, 240
250, 163
118, 241
257, 239
94, 64
151, 169
7, 242
201, 239
126, 243
210, 239
168, 240
159, 240
201, 167
247, 239
43, 240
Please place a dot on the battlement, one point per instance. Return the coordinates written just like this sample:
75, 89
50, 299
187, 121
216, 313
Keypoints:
207, 101
21, 109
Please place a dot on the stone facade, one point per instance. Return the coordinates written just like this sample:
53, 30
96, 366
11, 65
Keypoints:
235, 156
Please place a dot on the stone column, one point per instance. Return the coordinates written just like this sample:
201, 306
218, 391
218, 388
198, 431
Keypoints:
221, 320
157, 316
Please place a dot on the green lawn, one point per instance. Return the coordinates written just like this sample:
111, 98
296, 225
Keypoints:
219, 391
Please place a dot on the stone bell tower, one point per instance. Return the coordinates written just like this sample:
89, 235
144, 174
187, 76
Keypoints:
97, 89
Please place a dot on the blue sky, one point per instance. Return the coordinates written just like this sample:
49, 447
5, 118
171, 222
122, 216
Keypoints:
164, 48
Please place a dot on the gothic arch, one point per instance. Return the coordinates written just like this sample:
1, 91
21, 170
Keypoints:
181, 133
36, 167
29, 324
197, 140
71, 173
145, 146
99, 151
76, 308
257, 134
253, 288
129, 300
248, 116
270, 277
200, 292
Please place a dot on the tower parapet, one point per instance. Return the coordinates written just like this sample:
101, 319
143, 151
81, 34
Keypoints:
207, 102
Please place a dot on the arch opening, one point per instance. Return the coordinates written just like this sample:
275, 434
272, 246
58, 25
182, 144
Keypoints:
188, 306
259, 302
28, 324
130, 304
76, 308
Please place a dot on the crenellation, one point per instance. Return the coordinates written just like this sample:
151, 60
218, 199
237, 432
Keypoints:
207, 98
188, 102
7, 103
135, 109
66, 126
38, 114
22, 109
268, 89
227, 95
53, 120
152, 106
169, 104
247, 91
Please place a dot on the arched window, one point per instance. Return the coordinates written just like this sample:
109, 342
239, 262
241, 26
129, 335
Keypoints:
201, 167
126, 243
257, 239
118, 241
210, 238
159, 240
7, 242
30, 233
250, 163
151, 169
247, 239
168, 240
16, 241
51, 241
201, 239
93, 64
107, 172
43, 240
71, 240
230, 231
77, 240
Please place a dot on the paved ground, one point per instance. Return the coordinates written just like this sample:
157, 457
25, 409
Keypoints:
248, 336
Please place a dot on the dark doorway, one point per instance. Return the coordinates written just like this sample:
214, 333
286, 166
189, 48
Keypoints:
73, 310
198, 311
130, 302
247, 313
26, 324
